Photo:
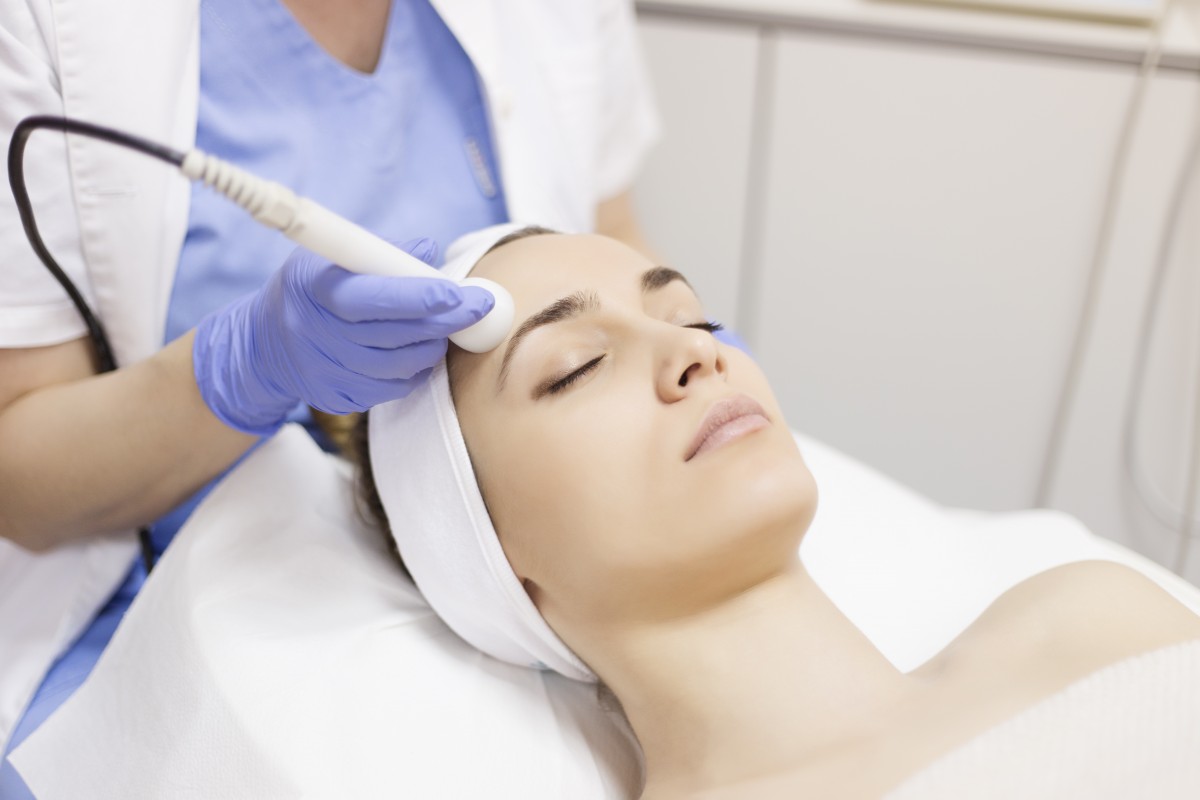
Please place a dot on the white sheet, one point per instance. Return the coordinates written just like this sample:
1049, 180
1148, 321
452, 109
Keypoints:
276, 652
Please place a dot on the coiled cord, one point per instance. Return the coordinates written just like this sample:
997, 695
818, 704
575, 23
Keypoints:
268, 202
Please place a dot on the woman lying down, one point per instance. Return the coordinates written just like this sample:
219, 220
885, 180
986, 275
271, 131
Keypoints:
614, 495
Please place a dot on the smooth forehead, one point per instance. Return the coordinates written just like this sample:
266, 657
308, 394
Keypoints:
540, 269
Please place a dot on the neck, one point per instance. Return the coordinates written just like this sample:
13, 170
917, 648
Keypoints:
764, 683
352, 31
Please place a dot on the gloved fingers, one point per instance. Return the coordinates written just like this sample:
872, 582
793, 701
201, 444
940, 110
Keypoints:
424, 248
399, 363
398, 333
729, 337
357, 298
340, 402
396, 388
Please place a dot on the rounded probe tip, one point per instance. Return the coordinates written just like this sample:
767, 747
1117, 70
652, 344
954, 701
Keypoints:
489, 332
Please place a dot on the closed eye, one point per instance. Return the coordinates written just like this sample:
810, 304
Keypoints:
556, 385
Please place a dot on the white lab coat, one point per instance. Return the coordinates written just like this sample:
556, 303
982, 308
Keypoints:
572, 118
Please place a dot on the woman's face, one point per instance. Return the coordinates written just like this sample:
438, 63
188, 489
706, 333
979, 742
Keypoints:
582, 426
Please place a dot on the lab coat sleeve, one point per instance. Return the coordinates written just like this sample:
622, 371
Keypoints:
34, 309
629, 124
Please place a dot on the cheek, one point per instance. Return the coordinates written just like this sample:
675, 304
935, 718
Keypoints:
592, 493
770, 485
568, 487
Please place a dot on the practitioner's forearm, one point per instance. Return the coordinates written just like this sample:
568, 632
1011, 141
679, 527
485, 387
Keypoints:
108, 452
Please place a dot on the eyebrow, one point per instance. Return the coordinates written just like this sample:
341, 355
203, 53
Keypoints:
577, 303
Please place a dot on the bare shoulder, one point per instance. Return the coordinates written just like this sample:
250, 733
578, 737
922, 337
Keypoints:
1094, 612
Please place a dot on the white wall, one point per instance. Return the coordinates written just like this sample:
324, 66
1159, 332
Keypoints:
1092, 480
692, 195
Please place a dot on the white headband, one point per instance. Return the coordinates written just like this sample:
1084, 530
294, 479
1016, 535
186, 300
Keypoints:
436, 512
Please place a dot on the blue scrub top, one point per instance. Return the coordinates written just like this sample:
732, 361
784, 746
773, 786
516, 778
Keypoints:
405, 151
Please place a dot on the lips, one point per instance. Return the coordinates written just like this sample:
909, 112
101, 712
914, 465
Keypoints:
728, 419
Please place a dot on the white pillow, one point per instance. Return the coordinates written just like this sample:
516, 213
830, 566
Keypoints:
276, 651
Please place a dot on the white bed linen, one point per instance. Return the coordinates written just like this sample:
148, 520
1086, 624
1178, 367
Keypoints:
276, 652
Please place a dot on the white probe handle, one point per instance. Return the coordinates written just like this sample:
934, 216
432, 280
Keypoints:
336, 238
358, 250
351, 246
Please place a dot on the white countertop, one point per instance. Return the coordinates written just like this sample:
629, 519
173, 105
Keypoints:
1084, 38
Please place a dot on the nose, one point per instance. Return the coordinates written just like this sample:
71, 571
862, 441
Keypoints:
687, 356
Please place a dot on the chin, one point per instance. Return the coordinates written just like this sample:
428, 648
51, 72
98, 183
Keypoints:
784, 498
767, 494
766, 463
738, 526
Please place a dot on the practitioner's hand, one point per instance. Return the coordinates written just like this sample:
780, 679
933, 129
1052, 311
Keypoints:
318, 334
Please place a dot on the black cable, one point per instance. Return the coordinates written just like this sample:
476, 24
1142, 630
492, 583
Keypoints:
105, 360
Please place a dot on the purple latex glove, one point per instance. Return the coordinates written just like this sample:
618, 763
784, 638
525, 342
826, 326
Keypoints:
318, 334
730, 338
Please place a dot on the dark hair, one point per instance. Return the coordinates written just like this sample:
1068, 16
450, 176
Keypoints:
517, 235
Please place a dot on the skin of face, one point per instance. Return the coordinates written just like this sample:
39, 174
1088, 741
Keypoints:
597, 508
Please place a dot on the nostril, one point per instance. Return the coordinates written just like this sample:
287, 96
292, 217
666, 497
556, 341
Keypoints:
683, 379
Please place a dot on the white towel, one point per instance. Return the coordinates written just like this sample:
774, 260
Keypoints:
276, 652
438, 518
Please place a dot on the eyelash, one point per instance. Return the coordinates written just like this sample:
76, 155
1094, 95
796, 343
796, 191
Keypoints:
562, 383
